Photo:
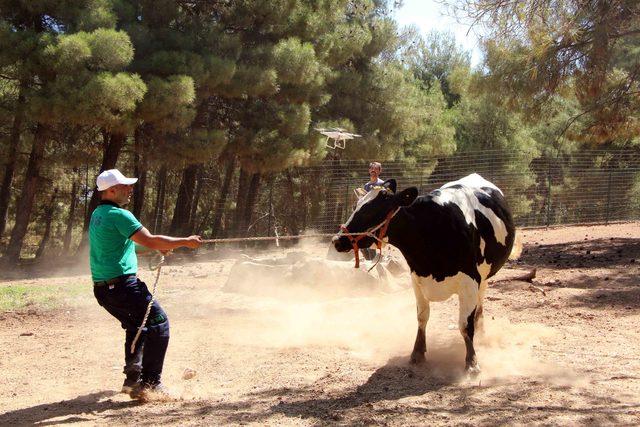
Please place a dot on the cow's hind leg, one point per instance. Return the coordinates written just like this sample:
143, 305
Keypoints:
479, 318
468, 296
422, 306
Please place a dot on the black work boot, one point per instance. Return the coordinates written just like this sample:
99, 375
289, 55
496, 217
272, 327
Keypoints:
145, 392
130, 382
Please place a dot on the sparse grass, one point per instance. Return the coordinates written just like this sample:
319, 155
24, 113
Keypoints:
20, 295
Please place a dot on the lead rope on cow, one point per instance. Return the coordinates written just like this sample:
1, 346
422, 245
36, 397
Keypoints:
157, 267
371, 233
383, 231
377, 260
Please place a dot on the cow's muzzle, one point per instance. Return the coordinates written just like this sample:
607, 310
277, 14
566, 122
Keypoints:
345, 240
341, 243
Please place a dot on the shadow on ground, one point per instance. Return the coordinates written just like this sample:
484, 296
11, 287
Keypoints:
396, 392
608, 271
402, 394
71, 411
597, 253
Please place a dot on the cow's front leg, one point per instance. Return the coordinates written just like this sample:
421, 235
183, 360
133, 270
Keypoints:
422, 307
468, 304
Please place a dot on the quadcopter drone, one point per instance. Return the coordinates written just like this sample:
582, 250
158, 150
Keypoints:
338, 136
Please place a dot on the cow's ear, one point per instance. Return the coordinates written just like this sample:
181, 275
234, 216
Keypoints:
390, 184
407, 196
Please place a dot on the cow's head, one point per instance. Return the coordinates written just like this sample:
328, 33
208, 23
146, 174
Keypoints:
371, 210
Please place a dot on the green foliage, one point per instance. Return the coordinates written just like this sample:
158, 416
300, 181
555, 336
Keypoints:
252, 80
96, 14
437, 60
536, 50
277, 141
193, 147
104, 100
397, 116
169, 103
71, 54
217, 72
100, 50
111, 97
295, 62
111, 50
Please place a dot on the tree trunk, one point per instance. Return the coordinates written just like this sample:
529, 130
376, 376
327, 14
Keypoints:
182, 221
252, 197
113, 144
241, 198
304, 210
333, 204
73, 202
48, 217
139, 171
196, 199
271, 218
292, 215
182, 211
198, 229
12, 155
27, 196
600, 55
222, 198
158, 211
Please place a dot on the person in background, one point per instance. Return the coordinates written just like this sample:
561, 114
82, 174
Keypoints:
114, 266
375, 168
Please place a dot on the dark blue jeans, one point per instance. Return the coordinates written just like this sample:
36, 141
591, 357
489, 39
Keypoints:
127, 301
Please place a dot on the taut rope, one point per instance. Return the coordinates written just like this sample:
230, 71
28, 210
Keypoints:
158, 266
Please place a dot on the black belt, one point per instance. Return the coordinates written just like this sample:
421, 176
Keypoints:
113, 281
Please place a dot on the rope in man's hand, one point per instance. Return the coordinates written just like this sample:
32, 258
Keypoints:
157, 266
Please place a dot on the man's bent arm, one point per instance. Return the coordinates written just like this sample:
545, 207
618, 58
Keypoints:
164, 243
142, 250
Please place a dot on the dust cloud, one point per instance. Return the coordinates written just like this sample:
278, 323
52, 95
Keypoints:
295, 299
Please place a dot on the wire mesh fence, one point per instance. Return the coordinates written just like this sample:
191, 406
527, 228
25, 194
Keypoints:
588, 186
585, 187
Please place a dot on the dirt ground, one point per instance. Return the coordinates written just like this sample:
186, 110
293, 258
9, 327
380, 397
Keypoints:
570, 355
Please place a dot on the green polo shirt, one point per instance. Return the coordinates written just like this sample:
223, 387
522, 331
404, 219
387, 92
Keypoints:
112, 253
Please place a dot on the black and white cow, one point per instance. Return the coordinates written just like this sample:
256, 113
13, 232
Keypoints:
453, 239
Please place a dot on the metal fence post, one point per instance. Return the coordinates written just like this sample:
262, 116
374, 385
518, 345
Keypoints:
345, 211
608, 207
548, 192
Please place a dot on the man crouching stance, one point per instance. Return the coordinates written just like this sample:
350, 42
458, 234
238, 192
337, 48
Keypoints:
114, 265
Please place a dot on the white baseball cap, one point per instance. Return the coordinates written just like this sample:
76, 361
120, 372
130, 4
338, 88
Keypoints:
112, 177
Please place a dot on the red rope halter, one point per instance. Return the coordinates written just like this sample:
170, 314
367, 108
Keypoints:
383, 226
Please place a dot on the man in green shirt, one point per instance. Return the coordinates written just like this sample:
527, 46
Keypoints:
113, 234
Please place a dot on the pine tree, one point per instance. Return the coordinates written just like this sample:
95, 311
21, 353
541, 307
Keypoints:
72, 76
537, 49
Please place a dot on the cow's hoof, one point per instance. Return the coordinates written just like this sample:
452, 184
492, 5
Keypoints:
473, 370
417, 358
